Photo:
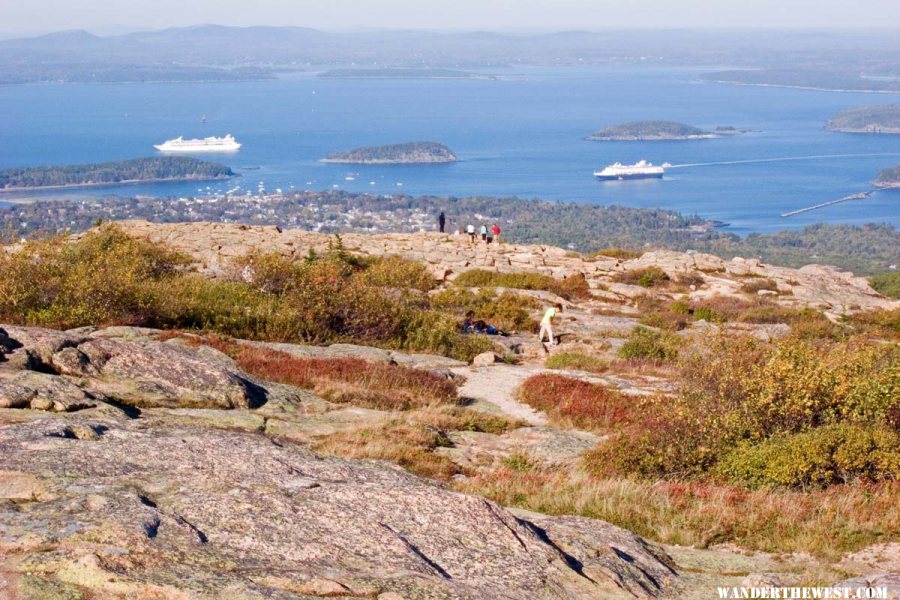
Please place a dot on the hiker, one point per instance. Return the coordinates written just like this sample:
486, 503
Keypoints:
470, 325
442, 220
470, 229
496, 231
547, 324
484, 233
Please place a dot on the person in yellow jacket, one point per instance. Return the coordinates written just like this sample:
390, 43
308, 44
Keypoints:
547, 324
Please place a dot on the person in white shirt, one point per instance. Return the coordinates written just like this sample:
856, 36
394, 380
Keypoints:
470, 229
547, 324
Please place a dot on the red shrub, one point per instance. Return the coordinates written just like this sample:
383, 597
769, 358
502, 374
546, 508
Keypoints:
581, 403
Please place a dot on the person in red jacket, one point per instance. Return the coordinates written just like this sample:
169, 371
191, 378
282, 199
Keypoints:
496, 231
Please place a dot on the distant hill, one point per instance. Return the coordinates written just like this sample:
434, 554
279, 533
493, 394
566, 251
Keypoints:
408, 153
213, 52
867, 119
157, 168
888, 178
650, 130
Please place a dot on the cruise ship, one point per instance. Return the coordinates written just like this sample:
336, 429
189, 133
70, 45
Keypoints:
210, 144
639, 170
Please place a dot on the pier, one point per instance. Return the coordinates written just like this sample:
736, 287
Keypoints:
857, 196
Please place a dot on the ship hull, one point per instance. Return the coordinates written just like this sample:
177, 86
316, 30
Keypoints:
629, 176
206, 149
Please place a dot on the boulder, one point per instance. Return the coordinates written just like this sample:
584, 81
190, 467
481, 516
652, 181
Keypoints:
42, 391
148, 509
151, 373
486, 359
33, 347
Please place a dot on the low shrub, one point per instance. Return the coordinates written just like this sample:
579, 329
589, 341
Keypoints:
647, 277
571, 402
620, 253
576, 361
738, 390
757, 284
887, 284
880, 323
570, 288
507, 311
109, 278
643, 343
352, 380
820, 457
668, 320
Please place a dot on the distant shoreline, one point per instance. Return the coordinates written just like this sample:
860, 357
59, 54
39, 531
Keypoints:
800, 87
72, 186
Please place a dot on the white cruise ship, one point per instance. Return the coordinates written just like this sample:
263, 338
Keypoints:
210, 144
639, 170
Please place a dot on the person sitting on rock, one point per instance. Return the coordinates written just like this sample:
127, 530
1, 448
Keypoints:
547, 324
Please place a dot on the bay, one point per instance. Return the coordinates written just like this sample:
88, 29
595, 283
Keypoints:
520, 135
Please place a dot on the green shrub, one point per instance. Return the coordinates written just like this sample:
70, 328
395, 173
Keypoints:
740, 390
706, 313
507, 311
620, 253
887, 284
570, 288
647, 344
576, 361
647, 277
671, 321
396, 272
819, 457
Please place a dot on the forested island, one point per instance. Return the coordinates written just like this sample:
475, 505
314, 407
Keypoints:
400, 73
652, 131
867, 119
834, 80
137, 170
395, 154
888, 178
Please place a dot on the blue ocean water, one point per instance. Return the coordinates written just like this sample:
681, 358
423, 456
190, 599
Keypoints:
521, 135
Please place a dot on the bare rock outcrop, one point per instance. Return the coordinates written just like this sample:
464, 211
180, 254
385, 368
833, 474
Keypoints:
150, 510
215, 245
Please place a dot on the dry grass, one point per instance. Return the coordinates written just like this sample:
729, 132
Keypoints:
411, 439
574, 403
825, 523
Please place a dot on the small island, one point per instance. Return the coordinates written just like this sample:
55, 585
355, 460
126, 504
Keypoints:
137, 170
655, 131
409, 153
867, 119
888, 178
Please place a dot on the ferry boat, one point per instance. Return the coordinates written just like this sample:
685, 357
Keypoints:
210, 144
639, 170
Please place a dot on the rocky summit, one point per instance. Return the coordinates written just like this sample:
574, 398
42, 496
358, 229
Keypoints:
142, 463
144, 500
215, 245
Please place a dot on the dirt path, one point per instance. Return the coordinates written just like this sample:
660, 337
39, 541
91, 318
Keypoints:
496, 385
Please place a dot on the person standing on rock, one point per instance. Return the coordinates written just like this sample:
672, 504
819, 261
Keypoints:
484, 233
442, 220
496, 231
547, 324
470, 229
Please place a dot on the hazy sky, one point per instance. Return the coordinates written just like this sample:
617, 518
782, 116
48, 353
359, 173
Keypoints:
28, 16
